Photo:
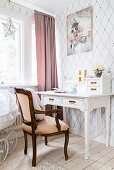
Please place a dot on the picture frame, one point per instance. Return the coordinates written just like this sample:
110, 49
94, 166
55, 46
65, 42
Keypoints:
79, 32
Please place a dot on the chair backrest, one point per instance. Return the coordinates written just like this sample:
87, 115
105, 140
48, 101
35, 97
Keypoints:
26, 105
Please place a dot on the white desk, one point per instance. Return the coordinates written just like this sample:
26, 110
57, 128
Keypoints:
86, 103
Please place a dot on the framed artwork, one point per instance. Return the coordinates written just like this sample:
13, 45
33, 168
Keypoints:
79, 31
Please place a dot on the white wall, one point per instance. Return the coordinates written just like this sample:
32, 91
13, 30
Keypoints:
103, 54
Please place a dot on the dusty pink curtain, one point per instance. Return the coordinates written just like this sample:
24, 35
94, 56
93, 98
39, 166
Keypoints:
46, 51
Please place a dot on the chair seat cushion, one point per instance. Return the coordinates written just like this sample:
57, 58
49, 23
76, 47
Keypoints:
46, 126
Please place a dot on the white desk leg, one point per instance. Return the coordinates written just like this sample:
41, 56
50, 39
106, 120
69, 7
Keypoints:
87, 133
108, 114
64, 115
43, 138
98, 120
54, 107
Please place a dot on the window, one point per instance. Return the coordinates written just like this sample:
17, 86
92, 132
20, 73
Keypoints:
34, 61
10, 55
18, 64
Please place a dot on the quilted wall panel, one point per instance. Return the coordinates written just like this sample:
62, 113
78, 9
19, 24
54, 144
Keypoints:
102, 54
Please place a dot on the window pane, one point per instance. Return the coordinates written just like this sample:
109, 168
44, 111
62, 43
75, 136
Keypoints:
9, 69
34, 61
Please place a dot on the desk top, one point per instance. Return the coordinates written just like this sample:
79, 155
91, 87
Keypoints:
78, 95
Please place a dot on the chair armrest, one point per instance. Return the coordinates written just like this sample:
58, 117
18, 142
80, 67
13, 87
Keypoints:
53, 111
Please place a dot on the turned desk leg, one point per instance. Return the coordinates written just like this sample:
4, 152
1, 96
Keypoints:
43, 138
87, 133
108, 114
98, 111
64, 115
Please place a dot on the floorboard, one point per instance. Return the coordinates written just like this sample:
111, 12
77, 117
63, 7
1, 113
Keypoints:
101, 158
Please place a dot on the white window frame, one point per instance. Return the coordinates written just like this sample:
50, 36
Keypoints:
24, 50
20, 47
33, 25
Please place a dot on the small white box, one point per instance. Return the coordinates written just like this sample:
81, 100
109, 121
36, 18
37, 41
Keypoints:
101, 85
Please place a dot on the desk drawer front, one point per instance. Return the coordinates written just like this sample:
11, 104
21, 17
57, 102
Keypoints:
93, 83
72, 101
52, 100
94, 90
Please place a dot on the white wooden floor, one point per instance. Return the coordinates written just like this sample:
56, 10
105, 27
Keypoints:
101, 158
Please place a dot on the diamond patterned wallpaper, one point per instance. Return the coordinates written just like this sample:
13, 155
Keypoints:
103, 50
16, 10
103, 54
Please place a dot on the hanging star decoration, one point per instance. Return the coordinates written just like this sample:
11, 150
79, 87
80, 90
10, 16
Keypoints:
9, 28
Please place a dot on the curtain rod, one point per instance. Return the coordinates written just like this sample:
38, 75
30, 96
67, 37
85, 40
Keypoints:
39, 9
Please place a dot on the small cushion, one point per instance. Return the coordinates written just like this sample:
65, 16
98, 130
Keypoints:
46, 126
37, 104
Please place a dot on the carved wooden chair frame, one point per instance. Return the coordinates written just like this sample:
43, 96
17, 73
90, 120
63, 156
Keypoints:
34, 123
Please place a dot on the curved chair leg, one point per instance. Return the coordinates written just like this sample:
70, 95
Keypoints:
66, 144
26, 143
34, 150
46, 141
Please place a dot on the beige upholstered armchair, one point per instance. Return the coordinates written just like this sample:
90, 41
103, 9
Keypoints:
47, 127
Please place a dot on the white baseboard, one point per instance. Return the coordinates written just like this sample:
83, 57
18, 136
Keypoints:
80, 133
101, 138
74, 131
19, 133
112, 141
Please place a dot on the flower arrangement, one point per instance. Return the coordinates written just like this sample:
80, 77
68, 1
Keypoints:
98, 70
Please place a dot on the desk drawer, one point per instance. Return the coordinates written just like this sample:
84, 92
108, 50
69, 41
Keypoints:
53, 100
94, 90
93, 82
73, 102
